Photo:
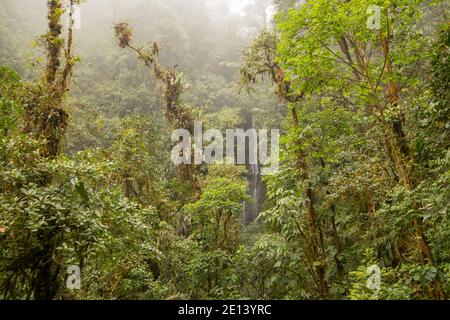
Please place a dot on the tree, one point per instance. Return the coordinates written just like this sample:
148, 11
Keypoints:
175, 111
373, 68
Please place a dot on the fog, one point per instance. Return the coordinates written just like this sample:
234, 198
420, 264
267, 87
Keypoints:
194, 27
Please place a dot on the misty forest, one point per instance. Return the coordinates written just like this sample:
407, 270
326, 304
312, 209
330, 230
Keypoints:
92, 90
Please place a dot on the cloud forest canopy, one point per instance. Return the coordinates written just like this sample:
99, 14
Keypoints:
359, 208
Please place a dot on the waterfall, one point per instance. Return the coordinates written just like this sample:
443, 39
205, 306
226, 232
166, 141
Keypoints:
252, 208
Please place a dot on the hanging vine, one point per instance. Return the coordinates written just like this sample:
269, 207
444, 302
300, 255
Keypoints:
175, 111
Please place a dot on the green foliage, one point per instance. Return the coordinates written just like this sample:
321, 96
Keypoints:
392, 283
9, 109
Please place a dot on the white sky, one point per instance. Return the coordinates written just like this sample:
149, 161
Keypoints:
237, 6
